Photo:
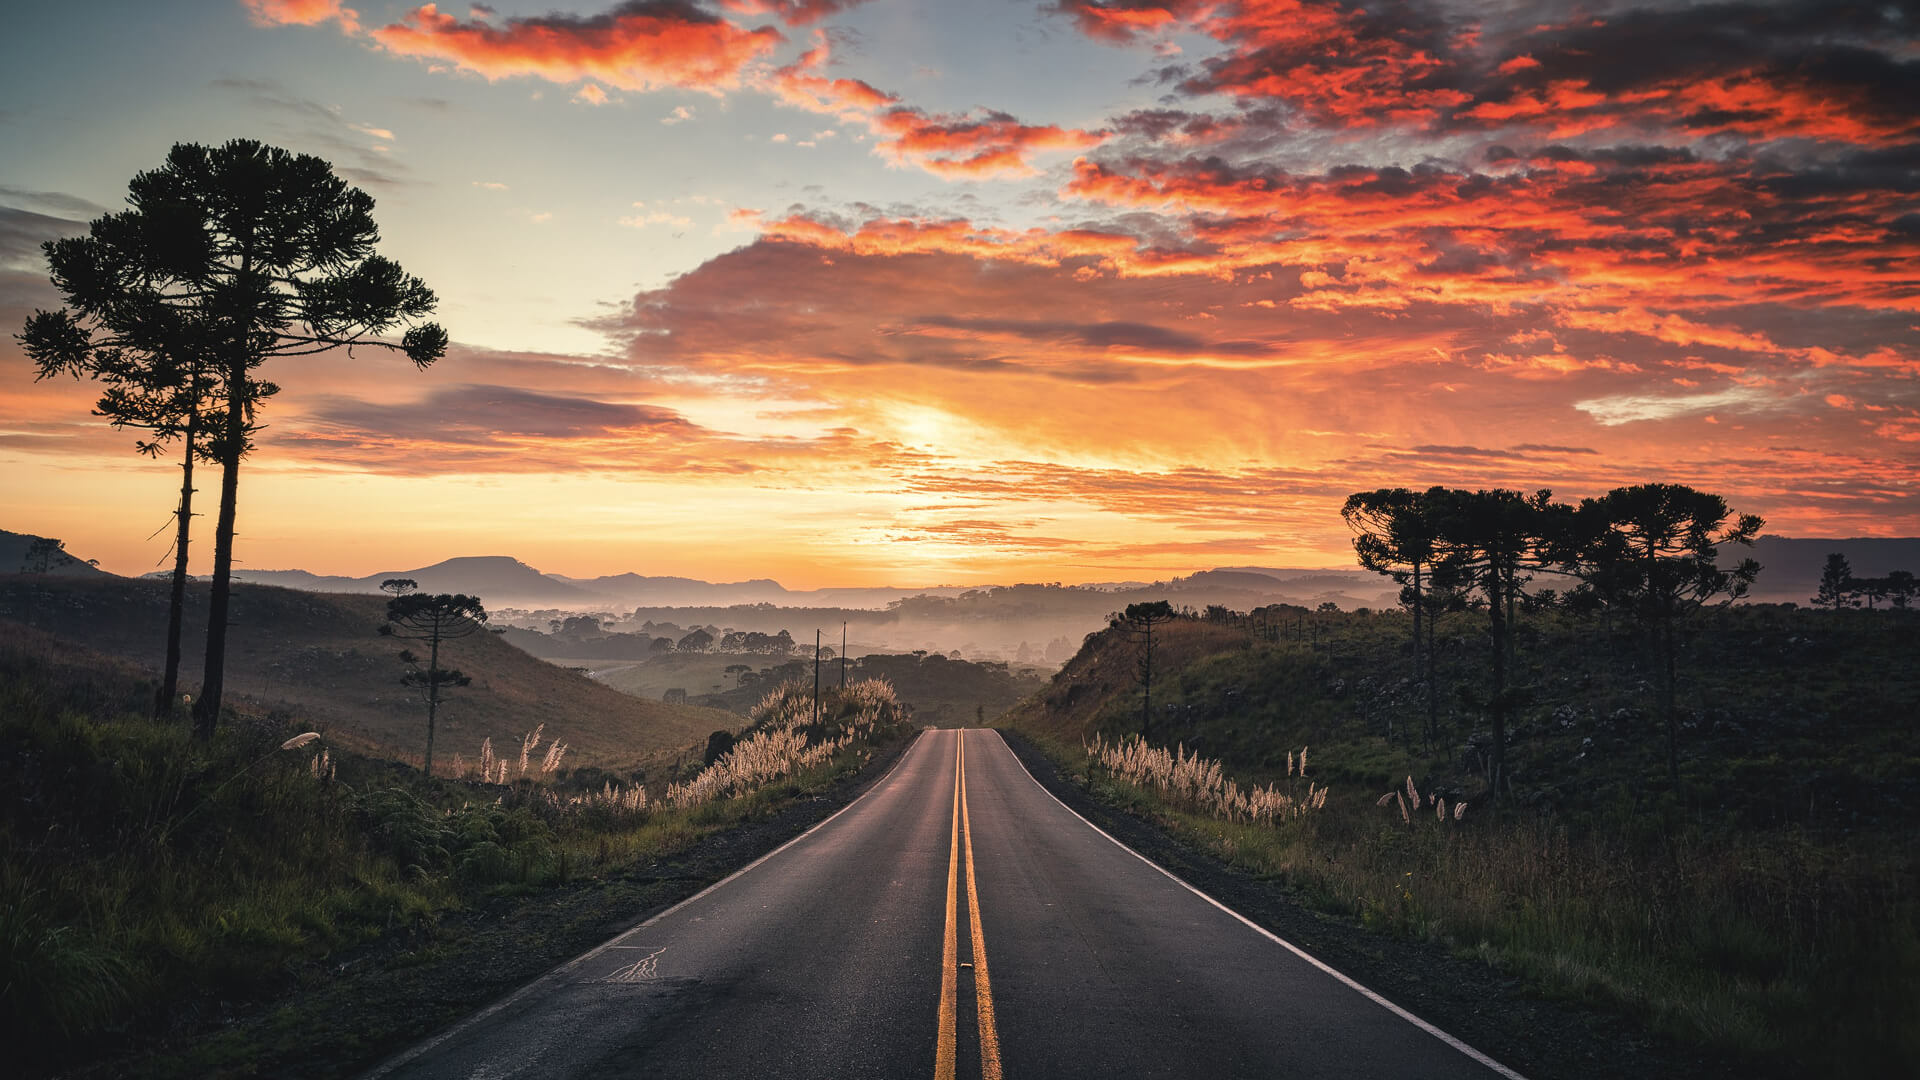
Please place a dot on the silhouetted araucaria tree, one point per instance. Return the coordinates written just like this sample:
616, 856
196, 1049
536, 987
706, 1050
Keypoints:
1657, 547
1141, 620
153, 353
1395, 535
432, 619
272, 256
1492, 542
1836, 584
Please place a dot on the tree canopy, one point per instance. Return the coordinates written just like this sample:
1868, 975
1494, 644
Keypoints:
155, 358
1650, 549
235, 255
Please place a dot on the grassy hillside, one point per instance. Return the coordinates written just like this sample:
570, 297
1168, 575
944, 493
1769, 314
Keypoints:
1787, 717
319, 655
1764, 908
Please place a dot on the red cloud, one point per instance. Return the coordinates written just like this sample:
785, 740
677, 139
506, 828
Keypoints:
1758, 104
987, 144
799, 84
637, 46
978, 145
1738, 68
303, 13
1123, 21
1335, 63
1608, 233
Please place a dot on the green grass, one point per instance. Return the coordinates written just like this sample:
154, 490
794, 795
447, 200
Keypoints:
1765, 909
146, 877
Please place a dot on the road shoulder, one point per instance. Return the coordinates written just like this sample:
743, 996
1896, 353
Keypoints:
355, 1010
1492, 1012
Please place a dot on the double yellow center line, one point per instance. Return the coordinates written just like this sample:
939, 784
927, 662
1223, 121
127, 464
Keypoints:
946, 1048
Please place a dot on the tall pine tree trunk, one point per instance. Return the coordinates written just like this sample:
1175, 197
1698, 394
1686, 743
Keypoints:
1433, 688
176, 604
1419, 601
1146, 687
206, 711
433, 697
1500, 632
1667, 704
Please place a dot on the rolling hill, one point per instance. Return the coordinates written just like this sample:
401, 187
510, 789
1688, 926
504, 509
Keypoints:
15, 549
319, 655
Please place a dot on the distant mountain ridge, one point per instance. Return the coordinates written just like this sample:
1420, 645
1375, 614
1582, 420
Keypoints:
1790, 573
1790, 567
503, 581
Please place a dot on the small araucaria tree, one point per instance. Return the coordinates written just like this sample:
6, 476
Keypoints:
264, 254
432, 619
1141, 621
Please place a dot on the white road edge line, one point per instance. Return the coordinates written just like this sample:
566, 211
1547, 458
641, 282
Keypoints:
1275, 938
420, 1048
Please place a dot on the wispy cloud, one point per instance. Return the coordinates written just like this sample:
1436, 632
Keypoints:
1630, 408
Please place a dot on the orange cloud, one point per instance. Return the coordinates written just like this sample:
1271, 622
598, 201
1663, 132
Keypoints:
973, 145
303, 13
800, 84
1626, 225
1123, 21
1336, 64
1740, 68
640, 45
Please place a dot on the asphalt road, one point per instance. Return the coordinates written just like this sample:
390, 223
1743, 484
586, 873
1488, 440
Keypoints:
943, 928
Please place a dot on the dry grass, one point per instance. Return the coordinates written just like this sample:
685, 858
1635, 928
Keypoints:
1197, 783
792, 733
1781, 948
1411, 797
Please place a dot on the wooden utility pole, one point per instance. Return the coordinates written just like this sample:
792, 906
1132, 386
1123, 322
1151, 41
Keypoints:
843, 655
816, 676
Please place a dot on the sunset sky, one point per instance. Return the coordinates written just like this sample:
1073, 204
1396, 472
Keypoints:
844, 292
